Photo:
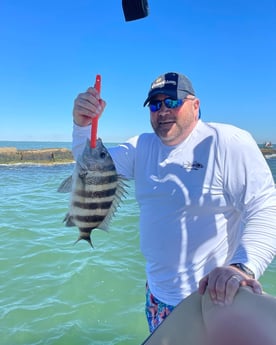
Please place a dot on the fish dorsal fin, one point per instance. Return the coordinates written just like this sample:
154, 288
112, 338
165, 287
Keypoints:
66, 185
120, 192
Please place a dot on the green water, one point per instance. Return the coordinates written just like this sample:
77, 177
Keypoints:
53, 292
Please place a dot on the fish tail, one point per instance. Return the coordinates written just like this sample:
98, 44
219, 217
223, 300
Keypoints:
85, 236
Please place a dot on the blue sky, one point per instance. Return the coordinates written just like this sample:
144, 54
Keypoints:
51, 51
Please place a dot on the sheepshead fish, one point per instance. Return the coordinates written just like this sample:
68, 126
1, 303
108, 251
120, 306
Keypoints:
96, 190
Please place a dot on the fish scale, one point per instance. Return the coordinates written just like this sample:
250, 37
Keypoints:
96, 191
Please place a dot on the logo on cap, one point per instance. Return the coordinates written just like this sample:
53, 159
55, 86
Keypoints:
161, 82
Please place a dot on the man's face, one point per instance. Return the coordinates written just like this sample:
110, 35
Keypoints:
173, 125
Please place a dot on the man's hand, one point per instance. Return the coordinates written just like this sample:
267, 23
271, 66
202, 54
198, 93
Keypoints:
224, 282
86, 106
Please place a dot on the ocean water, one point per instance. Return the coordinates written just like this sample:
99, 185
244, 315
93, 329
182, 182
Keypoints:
55, 292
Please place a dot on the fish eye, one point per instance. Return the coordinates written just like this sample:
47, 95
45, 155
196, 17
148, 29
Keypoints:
102, 154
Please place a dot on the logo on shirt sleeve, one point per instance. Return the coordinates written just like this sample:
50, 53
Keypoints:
193, 165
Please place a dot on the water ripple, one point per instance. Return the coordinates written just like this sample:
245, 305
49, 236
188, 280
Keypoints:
55, 292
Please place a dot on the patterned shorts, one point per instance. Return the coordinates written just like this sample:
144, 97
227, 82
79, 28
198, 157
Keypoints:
156, 311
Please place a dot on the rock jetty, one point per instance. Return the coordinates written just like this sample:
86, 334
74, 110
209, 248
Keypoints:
11, 155
268, 151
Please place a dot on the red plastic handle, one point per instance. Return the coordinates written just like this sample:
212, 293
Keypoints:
94, 127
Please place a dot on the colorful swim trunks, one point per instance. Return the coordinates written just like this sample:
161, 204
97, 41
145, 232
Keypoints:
156, 311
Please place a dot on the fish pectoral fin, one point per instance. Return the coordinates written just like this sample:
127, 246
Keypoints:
66, 185
68, 220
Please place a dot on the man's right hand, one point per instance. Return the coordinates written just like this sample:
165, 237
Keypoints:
86, 106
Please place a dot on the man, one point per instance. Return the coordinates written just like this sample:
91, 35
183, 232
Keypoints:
206, 195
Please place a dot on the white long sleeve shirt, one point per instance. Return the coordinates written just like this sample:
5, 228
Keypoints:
207, 202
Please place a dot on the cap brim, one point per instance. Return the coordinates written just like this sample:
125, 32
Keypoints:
170, 93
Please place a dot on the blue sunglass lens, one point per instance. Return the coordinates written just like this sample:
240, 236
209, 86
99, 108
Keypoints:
172, 103
156, 105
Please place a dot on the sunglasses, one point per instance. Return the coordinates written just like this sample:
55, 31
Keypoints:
170, 103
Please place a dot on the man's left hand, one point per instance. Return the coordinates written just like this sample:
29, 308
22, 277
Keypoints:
224, 282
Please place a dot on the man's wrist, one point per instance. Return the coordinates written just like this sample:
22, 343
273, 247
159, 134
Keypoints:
83, 124
244, 269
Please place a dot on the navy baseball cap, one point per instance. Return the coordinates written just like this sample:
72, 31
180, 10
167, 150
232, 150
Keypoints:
175, 85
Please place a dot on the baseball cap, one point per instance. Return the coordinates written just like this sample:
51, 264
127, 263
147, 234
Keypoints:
172, 84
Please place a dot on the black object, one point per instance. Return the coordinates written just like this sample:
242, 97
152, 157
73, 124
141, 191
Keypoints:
135, 9
244, 269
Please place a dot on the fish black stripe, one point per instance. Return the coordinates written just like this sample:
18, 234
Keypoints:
92, 205
103, 168
86, 230
90, 219
109, 178
110, 167
96, 194
100, 180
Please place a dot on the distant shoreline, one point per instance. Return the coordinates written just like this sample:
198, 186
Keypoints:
11, 155
268, 151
